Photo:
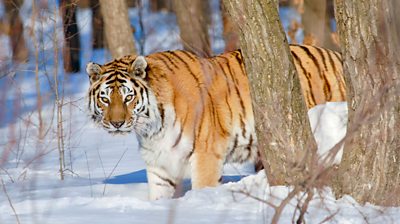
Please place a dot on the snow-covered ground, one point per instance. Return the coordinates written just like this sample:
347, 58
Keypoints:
105, 181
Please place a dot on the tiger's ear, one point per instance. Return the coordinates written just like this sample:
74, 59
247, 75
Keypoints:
94, 71
138, 67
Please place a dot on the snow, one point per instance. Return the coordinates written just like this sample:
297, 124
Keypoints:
105, 180
328, 123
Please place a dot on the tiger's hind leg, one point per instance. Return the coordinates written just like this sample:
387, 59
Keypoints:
161, 184
206, 169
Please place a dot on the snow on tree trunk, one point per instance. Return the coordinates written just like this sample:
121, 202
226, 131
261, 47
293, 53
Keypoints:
283, 129
369, 34
117, 27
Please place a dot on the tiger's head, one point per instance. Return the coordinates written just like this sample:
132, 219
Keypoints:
118, 96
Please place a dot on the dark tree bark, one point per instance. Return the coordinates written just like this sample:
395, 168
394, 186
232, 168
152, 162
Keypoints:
97, 25
161, 5
118, 30
193, 21
16, 30
71, 51
369, 35
315, 20
282, 124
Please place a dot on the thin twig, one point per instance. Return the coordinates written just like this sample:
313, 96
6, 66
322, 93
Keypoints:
90, 178
304, 208
9, 201
105, 185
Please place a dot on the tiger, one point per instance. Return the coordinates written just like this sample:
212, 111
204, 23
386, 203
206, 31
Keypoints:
191, 114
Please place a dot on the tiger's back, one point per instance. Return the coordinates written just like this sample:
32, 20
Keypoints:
320, 73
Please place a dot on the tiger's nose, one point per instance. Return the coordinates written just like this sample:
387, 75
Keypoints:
117, 124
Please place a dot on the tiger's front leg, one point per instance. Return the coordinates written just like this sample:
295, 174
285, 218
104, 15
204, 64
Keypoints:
161, 184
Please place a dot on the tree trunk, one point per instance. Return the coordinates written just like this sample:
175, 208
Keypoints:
229, 33
97, 25
71, 51
119, 34
369, 34
282, 124
193, 22
16, 30
316, 24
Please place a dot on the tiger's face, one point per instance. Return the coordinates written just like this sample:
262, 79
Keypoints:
117, 96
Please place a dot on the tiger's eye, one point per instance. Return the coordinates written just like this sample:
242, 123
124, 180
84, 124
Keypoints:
128, 98
104, 99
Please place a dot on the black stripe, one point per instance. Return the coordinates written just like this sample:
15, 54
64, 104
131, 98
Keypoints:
327, 86
165, 62
190, 153
235, 142
165, 179
236, 83
321, 53
229, 107
141, 109
162, 112
338, 55
120, 80
178, 139
126, 63
200, 124
217, 115
168, 60
232, 151
332, 63
335, 69
147, 113
313, 58
181, 131
174, 53
242, 126
111, 80
248, 147
189, 55
295, 57
238, 56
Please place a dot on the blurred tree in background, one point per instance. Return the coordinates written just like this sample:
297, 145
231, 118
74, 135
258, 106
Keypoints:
229, 33
316, 21
98, 40
16, 30
119, 34
71, 49
193, 21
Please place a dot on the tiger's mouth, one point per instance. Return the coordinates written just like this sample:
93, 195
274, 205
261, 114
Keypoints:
124, 129
119, 132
